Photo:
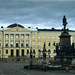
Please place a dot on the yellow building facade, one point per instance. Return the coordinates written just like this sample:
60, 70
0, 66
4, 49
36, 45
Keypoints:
16, 42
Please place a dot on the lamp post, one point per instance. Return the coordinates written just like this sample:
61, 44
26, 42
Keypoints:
39, 52
31, 56
44, 58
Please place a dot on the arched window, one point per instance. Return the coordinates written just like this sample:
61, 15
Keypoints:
27, 51
6, 51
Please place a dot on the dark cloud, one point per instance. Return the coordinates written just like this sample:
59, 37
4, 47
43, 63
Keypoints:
45, 14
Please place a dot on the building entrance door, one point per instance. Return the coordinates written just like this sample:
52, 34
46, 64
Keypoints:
17, 53
12, 53
22, 52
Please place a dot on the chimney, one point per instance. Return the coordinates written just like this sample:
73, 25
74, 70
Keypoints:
52, 28
1, 26
36, 27
29, 27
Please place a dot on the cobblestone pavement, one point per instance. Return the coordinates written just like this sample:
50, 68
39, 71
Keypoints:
17, 69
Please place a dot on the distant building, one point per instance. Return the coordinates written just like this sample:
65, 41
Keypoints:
16, 42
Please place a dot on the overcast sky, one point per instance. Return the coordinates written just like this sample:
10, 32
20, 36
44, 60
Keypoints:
41, 13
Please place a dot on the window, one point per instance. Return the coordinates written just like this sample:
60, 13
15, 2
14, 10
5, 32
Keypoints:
6, 36
17, 45
6, 51
11, 36
39, 37
26, 36
22, 44
22, 36
33, 36
49, 43
26, 43
39, 43
6, 43
54, 37
49, 37
0, 51
11, 43
44, 43
33, 43
16, 36
44, 37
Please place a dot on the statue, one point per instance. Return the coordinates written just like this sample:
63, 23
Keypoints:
69, 49
64, 22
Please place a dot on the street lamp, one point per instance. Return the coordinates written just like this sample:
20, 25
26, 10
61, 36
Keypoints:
44, 58
31, 56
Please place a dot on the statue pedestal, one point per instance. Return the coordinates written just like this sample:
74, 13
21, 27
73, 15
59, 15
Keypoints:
64, 38
62, 58
65, 59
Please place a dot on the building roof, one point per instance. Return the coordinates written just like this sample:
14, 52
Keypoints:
55, 30
14, 25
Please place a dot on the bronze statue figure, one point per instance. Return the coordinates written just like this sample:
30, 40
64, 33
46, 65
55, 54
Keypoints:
64, 22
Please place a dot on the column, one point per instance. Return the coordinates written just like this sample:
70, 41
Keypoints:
14, 40
29, 40
20, 40
25, 40
9, 40
4, 40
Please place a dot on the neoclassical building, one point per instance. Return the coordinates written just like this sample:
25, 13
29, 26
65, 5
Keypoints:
16, 42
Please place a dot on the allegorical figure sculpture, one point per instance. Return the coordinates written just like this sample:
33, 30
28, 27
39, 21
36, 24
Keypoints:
66, 49
64, 22
57, 49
